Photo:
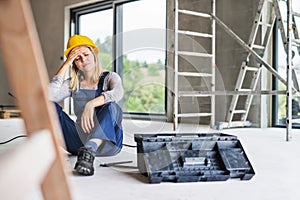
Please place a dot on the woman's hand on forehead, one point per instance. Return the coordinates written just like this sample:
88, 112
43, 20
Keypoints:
81, 49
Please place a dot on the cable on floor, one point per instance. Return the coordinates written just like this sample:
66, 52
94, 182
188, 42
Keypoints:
19, 136
127, 145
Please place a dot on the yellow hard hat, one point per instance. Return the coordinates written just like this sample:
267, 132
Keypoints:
80, 40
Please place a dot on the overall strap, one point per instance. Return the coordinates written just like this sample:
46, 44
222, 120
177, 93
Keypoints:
101, 82
102, 77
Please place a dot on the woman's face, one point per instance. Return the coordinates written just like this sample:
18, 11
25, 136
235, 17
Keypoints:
85, 60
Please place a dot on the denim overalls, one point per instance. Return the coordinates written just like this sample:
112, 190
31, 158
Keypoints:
107, 123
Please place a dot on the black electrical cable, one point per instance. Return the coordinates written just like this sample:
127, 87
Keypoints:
19, 136
127, 145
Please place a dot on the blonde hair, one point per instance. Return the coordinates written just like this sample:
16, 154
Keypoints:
76, 76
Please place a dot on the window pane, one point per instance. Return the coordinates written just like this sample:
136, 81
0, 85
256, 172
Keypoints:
144, 51
99, 27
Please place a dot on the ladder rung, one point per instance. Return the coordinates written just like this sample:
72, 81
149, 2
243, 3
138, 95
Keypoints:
195, 33
194, 115
199, 14
295, 121
255, 69
239, 111
244, 90
189, 53
296, 67
196, 74
297, 41
265, 24
296, 94
194, 94
221, 125
255, 46
296, 14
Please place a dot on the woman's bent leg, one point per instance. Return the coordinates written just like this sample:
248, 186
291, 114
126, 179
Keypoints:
72, 140
109, 129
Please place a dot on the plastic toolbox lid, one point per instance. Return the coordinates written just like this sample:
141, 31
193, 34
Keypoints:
191, 157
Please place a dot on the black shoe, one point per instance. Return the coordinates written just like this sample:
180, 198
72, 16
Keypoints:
85, 161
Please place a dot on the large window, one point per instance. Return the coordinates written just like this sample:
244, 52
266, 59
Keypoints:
280, 60
131, 36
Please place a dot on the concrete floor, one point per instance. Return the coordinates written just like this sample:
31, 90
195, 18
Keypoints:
275, 161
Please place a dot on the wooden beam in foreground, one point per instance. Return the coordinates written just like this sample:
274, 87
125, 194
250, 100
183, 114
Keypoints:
22, 55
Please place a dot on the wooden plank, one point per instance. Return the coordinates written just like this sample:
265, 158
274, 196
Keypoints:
28, 76
28, 161
6, 114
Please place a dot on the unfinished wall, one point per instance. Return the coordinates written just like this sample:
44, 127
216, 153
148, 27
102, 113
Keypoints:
238, 15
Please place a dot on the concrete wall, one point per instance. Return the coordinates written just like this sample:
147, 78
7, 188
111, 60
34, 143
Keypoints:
238, 15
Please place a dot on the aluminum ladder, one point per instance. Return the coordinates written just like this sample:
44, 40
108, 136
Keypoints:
184, 72
258, 40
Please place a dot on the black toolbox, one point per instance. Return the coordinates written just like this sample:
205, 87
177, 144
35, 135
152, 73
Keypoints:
190, 157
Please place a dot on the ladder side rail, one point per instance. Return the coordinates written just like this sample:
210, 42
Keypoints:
235, 98
213, 64
289, 72
176, 101
249, 98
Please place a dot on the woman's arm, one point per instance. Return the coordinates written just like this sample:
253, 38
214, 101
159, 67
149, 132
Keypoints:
113, 88
58, 89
